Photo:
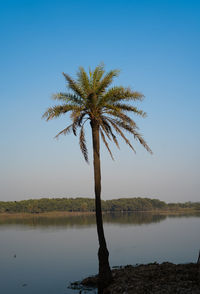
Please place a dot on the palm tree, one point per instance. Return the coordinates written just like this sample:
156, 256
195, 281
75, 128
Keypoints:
106, 109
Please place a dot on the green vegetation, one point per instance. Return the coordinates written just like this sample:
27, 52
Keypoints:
88, 204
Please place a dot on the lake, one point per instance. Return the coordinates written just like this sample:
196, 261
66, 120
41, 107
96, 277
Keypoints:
43, 255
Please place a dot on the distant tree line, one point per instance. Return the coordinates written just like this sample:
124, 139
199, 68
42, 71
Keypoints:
87, 204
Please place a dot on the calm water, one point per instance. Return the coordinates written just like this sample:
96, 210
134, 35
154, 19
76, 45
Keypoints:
51, 252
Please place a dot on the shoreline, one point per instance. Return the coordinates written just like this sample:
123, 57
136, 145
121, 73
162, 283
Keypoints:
166, 278
46, 214
85, 213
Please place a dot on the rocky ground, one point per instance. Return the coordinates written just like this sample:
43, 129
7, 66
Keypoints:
165, 278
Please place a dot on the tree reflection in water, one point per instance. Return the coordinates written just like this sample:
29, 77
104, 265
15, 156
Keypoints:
118, 218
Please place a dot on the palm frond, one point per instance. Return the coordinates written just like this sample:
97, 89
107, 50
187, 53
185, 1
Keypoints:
120, 115
67, 130
73, 85
68, 97
56, 111
120, 93
142, 141
106, 81
117, 129
132, 130
97, 75
78, 117
126, 126
82, 143
126, 107
106, 143
109, 129
77, 121
74, 114
83, 80
106, 128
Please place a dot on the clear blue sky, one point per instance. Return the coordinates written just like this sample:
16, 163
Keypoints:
156, 46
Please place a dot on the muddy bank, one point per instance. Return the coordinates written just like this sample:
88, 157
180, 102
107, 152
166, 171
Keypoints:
165, 278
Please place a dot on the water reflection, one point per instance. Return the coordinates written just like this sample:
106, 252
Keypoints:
47, 253
131, 218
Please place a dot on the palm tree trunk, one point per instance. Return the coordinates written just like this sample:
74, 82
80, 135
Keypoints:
105, 275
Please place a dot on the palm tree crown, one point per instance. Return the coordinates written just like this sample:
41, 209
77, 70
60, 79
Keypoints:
92, 99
